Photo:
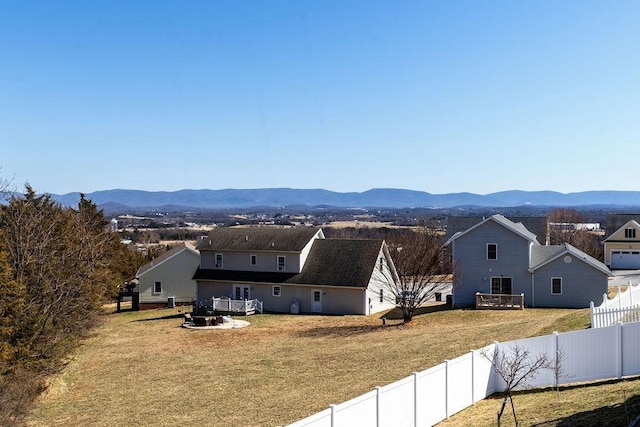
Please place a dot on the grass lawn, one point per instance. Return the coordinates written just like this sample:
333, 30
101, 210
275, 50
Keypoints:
143, 369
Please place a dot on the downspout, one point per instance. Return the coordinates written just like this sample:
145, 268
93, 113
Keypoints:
533, 289
533, 276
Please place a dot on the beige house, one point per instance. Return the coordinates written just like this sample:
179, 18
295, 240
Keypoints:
168, 279
622, 247
295, 270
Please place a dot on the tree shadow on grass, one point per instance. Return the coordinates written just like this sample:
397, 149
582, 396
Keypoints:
621, 414
339, 331
396, 313
168, 316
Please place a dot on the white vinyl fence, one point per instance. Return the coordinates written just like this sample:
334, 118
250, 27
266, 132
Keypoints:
428, 397
624, 307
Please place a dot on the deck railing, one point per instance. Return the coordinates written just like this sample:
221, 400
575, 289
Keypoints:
236, 306
499, 301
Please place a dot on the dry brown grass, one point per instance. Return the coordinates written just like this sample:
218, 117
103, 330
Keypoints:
142, 368
612, 403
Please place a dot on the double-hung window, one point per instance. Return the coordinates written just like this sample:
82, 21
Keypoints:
492, 251
218, 260
281, 263
157, 287
556, 285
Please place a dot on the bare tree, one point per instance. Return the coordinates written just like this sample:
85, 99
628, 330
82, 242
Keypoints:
556, 366
419, 267
564, 228
516, 368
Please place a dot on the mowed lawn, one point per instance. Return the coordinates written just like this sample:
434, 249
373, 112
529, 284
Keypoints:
143, 369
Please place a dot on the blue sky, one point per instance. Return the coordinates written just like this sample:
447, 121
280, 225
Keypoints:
438, 96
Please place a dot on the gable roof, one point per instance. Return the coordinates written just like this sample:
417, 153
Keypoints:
616, 221
543, 255
259, 239
517, 228
629, 224
166, 256
535, 224
331, 262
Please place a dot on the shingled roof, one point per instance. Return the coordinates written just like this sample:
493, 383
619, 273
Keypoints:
331, 262
542, 255
340, 262
258, 239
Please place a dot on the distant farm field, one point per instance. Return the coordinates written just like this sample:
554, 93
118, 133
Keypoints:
143, 369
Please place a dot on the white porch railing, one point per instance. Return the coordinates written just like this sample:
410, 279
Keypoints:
236, 306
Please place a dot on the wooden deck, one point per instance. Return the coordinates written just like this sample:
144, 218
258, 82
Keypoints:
499, 302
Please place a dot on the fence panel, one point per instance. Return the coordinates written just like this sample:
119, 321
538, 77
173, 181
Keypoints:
630, 349
484, 379
536, 347
319, 419
358, 411
432, 399
459, 384
396, 403
591, 354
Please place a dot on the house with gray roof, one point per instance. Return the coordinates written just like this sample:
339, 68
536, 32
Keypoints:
499, 256
168, 278
295, 269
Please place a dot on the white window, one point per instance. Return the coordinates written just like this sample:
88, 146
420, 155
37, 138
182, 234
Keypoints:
157, 287
218, 260
276, 291
492, 251
629, 233
556, 285
254, 260
281, 263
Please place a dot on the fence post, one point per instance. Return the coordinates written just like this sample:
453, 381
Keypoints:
619, 296
556, 361
377, 406
591, 309
619, 349
446, 388
415, 399
473, 377
333, 410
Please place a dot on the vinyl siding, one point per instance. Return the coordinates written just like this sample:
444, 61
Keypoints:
474, 271
581, 284
175, 276
241, 261
335, 300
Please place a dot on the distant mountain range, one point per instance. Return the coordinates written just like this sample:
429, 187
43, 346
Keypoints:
375, 198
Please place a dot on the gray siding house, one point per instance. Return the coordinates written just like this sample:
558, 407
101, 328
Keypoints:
294, 267
499, 256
